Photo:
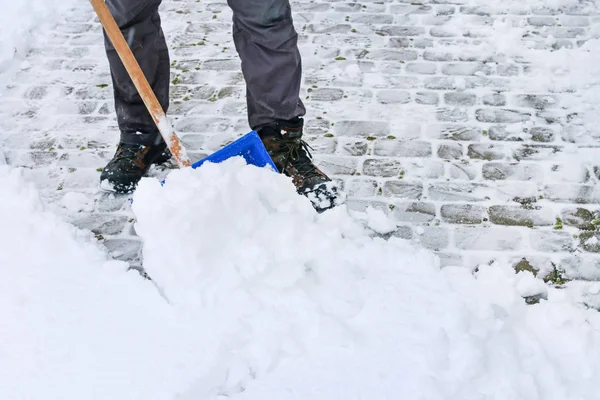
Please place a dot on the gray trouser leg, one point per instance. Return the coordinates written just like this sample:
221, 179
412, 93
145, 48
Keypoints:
140, 23
266, 42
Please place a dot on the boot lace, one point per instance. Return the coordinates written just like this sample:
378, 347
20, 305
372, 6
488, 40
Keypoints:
297, 154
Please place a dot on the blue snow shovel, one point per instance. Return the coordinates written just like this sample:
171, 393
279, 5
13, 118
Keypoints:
249, 146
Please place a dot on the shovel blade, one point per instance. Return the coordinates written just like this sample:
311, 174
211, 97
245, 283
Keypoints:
248, 146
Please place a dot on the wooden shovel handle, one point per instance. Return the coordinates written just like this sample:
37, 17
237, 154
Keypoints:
141, 83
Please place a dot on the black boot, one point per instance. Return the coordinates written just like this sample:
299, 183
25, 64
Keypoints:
130, 163
283, 141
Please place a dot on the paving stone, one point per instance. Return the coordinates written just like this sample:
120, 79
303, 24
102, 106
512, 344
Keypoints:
583, 266
482, 82
542, 21
402, 189
462, 170
476, 10
572, 193
486, 151
379, 19
422, 169
562, 33
497, 116
362, 128
431, 55
378, 81
581, 217
400, 148
506, 171
571, 20
393, 97
590, 241
326, 94
551, 241
498, 239
421, 68
518, 216
104, 225
337, 165
502, 132
535, 152
454, 132
352, 147
450, 151
539, 102
416, 213
395, 30
361, 187
395, 55
541, 134
452, 115
434, 237
123, 249
403, 232
430, 98
382, 167
508, 70
323, 145
497, 100
466, 69
441, 83
462, 214
441, 31
457, 191
460, 99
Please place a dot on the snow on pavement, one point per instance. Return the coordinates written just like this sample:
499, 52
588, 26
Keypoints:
22, 24
279, 303
253, 296
472, 123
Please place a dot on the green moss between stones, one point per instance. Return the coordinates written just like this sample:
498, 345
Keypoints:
556, 277
498, 220
524, 265
559, 224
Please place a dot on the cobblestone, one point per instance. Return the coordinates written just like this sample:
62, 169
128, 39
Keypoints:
403, 108
518, 216
462, 214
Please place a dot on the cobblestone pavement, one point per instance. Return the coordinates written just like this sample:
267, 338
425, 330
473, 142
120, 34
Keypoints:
407, 107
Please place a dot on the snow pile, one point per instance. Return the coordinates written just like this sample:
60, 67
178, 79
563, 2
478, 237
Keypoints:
22, 24
310, 306
256, 296
76, 325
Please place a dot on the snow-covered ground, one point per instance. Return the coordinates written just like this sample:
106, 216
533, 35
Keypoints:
23, 24
253, 295
277, 303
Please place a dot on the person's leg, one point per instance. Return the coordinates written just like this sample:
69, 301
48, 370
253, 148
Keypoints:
140, 141
140, 24
267, 43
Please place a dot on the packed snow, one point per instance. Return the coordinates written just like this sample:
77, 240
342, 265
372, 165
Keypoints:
254, 295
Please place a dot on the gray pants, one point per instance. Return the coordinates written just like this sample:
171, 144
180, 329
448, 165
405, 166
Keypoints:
264, 37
